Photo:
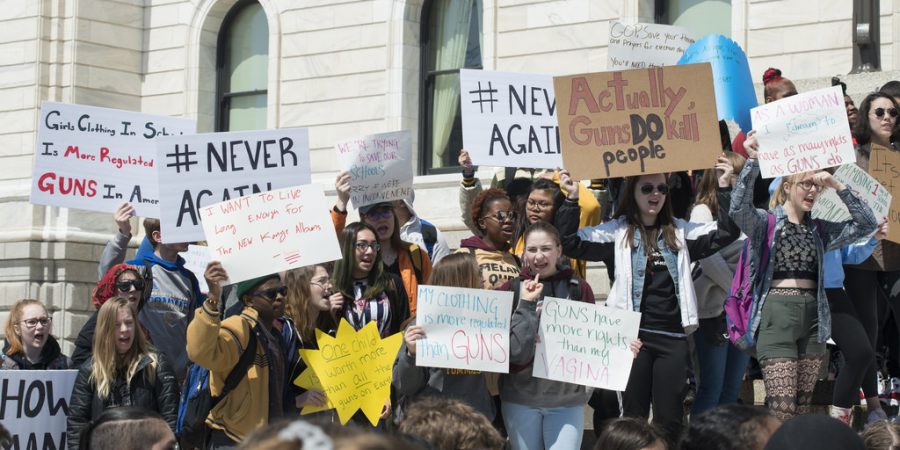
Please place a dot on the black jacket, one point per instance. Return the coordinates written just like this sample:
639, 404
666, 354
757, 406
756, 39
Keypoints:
52, 358
86, 404
84, 343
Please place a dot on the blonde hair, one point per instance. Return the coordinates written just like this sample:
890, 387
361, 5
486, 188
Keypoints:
298, 299
15, 316
882, 435
709, 183
106, 361
457, 270
779, 197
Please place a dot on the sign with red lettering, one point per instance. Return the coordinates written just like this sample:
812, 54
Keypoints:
269, 232
98, 158
884, 166
803, 132
464, 328
636, 122
35, 406
584, 343
380, 167
197, 171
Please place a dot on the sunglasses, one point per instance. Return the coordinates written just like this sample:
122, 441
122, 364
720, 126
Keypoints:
272, 293
879, 112
647, 189
379, 213
503, 216
125, 286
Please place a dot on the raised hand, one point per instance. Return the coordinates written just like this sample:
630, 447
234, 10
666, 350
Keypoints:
215, 274
726, 170
751, 145
342, 186
568, 185
122, 216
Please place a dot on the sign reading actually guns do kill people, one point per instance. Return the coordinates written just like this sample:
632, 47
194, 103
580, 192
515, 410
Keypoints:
34, 407
829, 206
270, 232
95, 159
641, 45
200, 170
884, 166
587, 344
380, 167
509, 119
634, 122
803, 132
464, 328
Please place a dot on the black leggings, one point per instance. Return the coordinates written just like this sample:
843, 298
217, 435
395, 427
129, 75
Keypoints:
854, 329
658, 376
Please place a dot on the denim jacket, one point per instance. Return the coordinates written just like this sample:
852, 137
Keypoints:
830, 236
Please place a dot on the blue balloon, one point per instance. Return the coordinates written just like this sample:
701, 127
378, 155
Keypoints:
731, 76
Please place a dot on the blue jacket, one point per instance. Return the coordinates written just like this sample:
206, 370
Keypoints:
830, 236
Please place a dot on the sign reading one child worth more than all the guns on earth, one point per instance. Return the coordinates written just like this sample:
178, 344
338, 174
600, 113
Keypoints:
197, 171
464, 328
380, 167
587, 344
270, 232
804, 132
509, 119
635, 122
95, 159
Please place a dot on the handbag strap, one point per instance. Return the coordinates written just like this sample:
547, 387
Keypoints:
240, 369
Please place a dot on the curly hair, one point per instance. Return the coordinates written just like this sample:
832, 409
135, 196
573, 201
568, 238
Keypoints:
482, 201
450, 425
728, 427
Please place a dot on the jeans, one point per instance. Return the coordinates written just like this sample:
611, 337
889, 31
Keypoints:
532, 428
721, 367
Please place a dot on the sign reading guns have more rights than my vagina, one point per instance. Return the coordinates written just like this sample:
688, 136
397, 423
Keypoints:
95, 159
464, 328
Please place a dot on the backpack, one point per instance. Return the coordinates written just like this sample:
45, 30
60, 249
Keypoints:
740, 300
196, 400
429, 235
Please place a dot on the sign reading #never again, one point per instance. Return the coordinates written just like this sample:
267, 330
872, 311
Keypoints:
203, 169
509, 119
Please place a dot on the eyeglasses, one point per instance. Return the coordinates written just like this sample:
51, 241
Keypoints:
540, 206
808, 185
647, 189
503, 216
272, 293
321, 282
379, 213
125, 286
32, 323
362, 246
879, 112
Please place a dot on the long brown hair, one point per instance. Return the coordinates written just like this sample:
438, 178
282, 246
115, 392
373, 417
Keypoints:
15, 317
628, 208
457, 270
709, 184
106, 361
298, 301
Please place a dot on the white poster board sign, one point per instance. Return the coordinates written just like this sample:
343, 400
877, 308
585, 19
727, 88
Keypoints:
34, 406
587, 344
195, 259
200, 170
269, 232
803, 132
509, 119
464, 328
98, 158
642, 45
829, 206
380, 167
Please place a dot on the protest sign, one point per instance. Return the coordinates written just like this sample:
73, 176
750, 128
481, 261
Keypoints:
830, 207
635, 122
642, 45
355, 368
269, 232
884, 166
583, 343
98, 158
199, 170
509, 119
733, 83
34, 406
803, 132
195, 260
380, 167
464, 328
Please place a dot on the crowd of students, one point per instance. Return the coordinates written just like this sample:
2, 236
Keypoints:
670, 242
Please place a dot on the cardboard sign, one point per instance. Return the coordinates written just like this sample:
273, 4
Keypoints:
355, 368
98, 158
732, 80
464, 328
583, 343
380, 167
509, 119
34, 406
636, 122
884, 166
270, 232
830, 207
197, 171
642, 45
804, 132
195, 260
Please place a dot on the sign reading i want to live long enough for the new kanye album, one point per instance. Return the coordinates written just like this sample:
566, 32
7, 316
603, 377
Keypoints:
635, 122
95, 159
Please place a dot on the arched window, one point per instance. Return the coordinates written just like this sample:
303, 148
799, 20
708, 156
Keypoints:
242, 69
451, 39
